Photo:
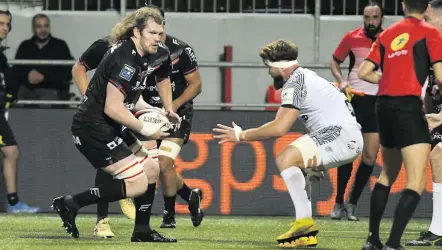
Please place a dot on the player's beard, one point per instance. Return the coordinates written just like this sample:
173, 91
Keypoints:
371, 31
278, 82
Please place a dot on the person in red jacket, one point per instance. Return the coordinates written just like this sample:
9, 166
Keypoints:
273, 94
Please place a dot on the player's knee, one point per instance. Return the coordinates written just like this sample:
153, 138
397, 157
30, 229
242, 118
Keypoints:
152, 170
134, 177
387, 178
301, 153
416, 184
136, 186
436, 163
167, 154
369, 156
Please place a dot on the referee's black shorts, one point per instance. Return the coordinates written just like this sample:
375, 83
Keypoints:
364, 107
401, 121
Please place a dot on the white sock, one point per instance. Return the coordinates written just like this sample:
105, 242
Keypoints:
295, 181
436, 220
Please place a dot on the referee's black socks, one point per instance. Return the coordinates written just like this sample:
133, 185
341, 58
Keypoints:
361, 179
378, 201
143, 206
404, 210
344, 173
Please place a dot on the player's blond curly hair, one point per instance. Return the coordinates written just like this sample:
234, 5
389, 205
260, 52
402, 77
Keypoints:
279, 50
124, 29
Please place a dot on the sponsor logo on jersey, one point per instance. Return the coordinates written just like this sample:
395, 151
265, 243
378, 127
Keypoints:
191, 54
127, 72
400, 41
398, 44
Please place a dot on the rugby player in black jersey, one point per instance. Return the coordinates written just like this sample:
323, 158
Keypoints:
186, 85
101, 119
90, 60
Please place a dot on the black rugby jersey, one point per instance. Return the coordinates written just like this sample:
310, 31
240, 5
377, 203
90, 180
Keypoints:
123, 67
183, 63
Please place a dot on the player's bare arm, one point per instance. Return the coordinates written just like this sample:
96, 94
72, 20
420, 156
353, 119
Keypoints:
165, 91
284, 120
80, 77
367, 72
335, 68
115, 109
192, 91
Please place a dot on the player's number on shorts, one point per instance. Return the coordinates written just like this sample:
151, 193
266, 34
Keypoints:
350, 108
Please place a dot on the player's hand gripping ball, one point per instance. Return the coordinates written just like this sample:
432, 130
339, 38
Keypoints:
155, 118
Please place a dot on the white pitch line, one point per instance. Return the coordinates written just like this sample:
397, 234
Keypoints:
334, 231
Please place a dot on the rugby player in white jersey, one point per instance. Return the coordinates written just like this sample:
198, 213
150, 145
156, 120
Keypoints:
333, 139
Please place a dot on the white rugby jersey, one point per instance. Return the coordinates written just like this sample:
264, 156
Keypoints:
321, 104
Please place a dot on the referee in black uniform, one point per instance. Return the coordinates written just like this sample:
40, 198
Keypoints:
404, 52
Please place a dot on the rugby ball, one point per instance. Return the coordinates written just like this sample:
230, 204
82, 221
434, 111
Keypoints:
154, 118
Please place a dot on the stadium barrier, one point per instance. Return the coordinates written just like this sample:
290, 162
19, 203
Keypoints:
239, 179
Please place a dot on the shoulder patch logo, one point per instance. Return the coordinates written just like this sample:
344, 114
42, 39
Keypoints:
127, 72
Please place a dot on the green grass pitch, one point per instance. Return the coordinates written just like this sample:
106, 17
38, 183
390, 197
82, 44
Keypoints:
44, 231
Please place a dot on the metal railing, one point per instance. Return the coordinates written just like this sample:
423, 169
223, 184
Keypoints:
197, 105
200, 64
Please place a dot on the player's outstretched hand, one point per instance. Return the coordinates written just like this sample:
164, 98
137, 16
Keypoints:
434, 120
227, 134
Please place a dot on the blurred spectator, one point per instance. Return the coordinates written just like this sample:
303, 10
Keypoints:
273, 96
43, 82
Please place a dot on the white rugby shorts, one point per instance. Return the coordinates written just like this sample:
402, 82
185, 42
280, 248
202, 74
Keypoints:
336, 145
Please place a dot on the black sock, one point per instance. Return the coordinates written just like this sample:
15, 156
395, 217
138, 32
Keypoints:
404, 210
169, 204
362, 176
184, 192
109, 192
344, 173
102, 206
143, 206
378, 201
13, 199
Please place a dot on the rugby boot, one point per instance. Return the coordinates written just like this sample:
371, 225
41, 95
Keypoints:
151, 236
196, 213
305, 227
67, 216
369, 245
168, 220
102, 229
337, 212
426, 239
390, 248
351, 212
310, 241
128, 208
